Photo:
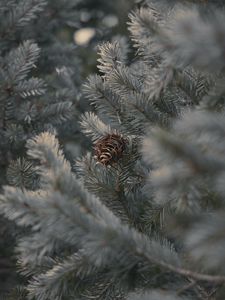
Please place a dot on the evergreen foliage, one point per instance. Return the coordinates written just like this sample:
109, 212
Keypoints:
151, 224
41, 71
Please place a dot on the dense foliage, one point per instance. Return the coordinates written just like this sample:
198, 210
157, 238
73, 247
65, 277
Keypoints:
42, 68
142, 215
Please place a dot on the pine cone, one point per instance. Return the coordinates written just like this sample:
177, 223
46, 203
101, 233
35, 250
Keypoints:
109, 149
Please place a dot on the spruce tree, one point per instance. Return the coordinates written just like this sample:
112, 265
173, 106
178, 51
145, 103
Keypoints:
41, 72
141, 216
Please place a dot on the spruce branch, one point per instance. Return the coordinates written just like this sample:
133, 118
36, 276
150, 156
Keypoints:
144, 24
123, 82
55, 283
106, 102
57, 113
30, 87
105, 238
20, 61
111, 55
20, 14
104, 184
190, 34
21, 173
195, 84
92, 126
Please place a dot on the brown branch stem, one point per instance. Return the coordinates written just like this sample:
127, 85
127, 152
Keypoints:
189, 273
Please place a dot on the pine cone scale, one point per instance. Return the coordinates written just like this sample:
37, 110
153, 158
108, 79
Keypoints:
109, 149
